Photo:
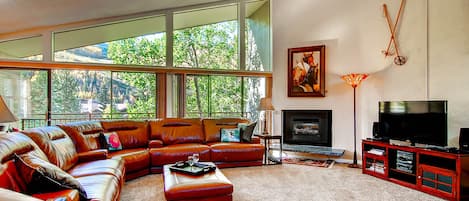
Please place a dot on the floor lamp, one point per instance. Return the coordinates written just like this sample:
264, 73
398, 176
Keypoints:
265, 105
354, 80
6, 116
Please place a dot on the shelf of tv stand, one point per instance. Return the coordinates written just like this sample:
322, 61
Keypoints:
401, 172
452, 167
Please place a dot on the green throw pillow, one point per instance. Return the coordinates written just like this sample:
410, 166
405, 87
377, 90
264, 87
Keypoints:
246, 131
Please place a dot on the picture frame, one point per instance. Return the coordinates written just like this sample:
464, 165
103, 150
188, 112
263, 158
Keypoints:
307, 71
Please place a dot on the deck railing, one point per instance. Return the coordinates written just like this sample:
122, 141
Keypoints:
66, 118
39, 120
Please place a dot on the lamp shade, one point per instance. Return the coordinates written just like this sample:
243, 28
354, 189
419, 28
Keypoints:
354, 79
5, 114
266, 104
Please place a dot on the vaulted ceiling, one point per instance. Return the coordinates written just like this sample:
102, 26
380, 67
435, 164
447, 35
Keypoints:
19, 15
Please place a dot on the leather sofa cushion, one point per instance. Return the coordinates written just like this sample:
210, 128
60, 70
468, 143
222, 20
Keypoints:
101, 187
236, 152
178, 152
18, 143
212, 127
68, 195
56, 144
10, 179
177, 131
132, 134
156, 126
134, 159
42, 176
113, 167
84, 134
98, 154
155, 144
11, 144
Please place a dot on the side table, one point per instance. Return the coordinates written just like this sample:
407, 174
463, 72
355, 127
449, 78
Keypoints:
268, 158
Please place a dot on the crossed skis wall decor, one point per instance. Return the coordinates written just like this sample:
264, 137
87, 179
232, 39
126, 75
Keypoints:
398, 59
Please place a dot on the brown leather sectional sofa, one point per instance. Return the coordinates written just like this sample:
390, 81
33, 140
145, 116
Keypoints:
76, 149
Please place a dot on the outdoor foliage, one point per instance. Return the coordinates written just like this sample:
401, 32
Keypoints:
213, 46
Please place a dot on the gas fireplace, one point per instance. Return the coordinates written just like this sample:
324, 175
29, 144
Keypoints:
307, 127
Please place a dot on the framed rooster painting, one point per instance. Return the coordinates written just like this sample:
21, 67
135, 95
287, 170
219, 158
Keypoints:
306, 71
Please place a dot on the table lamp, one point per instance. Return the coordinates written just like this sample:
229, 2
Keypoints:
6, 116
265, 105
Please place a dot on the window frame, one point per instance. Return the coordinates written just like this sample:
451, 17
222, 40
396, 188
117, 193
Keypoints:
161, 71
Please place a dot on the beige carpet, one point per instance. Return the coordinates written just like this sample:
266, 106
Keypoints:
290, 182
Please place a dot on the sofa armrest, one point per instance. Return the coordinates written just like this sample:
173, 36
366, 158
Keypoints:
63, 195
155, 144
98, 154
255, 140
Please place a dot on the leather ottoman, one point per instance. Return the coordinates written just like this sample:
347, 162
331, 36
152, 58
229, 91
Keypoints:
213, 186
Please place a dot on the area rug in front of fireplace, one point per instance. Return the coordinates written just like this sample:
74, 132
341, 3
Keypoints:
326, 163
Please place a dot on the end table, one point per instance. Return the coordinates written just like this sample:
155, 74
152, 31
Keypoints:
270, 159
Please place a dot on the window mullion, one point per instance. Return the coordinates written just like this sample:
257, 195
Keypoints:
182, 95
242, 35
242, 97
161, 93
47, 46
169, 39
49, 97
112, 94
209, 96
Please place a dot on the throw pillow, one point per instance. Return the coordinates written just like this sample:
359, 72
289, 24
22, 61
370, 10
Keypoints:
246, 131
42, 176
230, 135
111, 141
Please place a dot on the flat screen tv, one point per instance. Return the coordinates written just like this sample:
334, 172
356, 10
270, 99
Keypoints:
423, 122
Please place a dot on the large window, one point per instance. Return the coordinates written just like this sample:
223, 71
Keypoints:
206, 38
136, 42
254, 90
77, 94
25, 92
197, 96
25, 48
223, 96
82, 95
134, 95
226, 96
258, 36
210, 40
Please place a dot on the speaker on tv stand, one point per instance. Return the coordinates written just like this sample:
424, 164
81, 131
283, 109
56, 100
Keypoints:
464, 139
376, 136
375, 129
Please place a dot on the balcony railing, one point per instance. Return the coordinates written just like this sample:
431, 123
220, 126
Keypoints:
39, 120
65, 118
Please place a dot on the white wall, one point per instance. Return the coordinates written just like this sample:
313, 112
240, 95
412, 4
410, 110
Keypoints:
449, 61
355, 33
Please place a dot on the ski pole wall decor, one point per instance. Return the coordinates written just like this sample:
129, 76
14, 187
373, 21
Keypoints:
398, 59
